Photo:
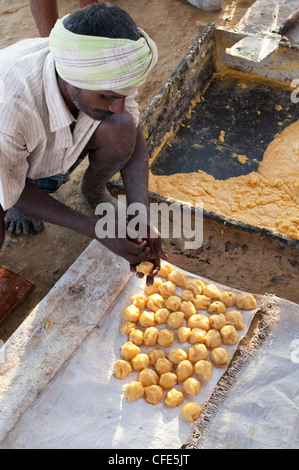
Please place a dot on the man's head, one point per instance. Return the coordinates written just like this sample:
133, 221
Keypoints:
103, 20
102, 57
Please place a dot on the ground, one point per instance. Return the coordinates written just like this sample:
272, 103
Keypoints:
174, 25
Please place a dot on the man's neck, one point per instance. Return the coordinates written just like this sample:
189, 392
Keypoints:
62, 85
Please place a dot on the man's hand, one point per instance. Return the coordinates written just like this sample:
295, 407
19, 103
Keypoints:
134, 251
156, 253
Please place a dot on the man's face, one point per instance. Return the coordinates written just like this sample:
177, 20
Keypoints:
97, 104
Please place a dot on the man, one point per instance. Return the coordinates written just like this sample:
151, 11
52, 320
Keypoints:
45, 13
67, 96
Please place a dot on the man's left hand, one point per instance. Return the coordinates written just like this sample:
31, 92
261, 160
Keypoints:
157, 253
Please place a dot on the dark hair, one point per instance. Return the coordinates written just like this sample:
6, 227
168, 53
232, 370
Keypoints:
102, 19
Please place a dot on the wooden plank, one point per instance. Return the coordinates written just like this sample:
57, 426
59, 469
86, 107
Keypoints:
14, 289
54, 329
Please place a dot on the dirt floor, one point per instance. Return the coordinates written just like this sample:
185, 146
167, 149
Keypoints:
174, 25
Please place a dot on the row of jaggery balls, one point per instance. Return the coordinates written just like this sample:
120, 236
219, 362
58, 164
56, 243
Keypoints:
161, 306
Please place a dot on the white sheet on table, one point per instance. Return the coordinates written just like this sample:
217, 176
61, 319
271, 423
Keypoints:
84, 406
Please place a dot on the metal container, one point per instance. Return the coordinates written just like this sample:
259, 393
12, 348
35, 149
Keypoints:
232, 253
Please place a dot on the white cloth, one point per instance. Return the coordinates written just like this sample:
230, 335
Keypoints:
207, 5
261, 407
35, 136
84, 406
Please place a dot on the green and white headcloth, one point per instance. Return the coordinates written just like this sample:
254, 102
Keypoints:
100, 63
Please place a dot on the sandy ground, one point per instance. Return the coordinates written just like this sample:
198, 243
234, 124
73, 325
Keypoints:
44, 257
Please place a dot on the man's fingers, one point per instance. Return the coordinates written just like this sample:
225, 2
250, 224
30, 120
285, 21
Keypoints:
136, 253
133, 268
149, 280
163, 254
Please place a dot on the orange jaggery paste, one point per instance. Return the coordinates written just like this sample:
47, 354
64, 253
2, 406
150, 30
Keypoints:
267, 198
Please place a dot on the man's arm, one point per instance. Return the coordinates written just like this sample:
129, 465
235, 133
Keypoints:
45, 15
135, 180
135, 172
39, 204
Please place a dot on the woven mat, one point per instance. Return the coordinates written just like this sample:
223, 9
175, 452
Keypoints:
84, 406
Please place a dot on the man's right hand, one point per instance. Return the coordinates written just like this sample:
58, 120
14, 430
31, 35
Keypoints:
134, 251
42, 206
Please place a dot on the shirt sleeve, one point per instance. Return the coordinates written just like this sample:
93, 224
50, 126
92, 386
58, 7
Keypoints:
131, 106
13, 169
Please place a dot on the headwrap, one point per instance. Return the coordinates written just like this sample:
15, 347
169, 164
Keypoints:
100, 63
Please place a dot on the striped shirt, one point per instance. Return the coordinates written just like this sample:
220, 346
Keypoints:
35, 136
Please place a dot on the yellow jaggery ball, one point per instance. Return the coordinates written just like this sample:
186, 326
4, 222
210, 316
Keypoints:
139, 300
235, 318
161, 315
145, 267
154, 288
184, 370
203, 368
140, 361
131, 313
197, 335
163, 365
173, 303
121, 369
210, 290
188, 308
192, 386
148, 377
133, 391
187, 295
183, 334
153, 394
147, 319
165, 269
168, 380
217, 307
166, 338
127, 327
196, 352
174, 398
136, 336
154, 302
176, 319
178, 277
217, 321
195, 285
167, 289
129, 350
229, 335
191, 411
150, 336
219, 357
229, 298
177, 355
246, 301
199, 321
201, 302
213, 339
154, 355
